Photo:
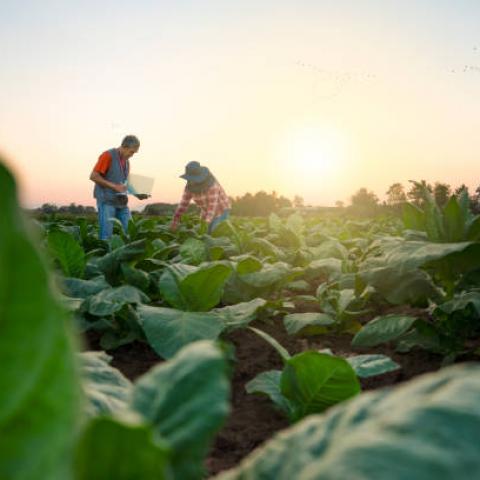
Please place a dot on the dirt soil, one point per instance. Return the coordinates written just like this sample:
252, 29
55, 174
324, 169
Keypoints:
253, 420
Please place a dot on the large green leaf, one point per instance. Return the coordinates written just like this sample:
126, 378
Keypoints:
401, 286
383, 329
136, 277
196, 289
111, 300
313, 382
110, 264
395, 434
106, 389
78, 288
366, 366
408, 254
331, 248
270, 275
203, 288
324, 267
413, 217
193, 251
268, 383
240, 314
247, 264
121, 449
67, 252
169, 284
168, 330
454, 221
186, 400
473, 229
38, 380
460, 302
266, 248
298, 322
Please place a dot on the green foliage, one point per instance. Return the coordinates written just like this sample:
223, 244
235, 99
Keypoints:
110, 264
371, 365
195, 289
444, 220
314, 381
122, 448
398, 434
193, 251
106, 389
383, 329
186, 401
310, 323
111, 300
67, 253
168, 330
38, 384
261, 204
160, 427
310, 382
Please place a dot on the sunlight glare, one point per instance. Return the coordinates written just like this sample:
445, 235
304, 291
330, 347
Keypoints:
312, 153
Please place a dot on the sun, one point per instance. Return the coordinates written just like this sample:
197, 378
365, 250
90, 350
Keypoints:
312, 153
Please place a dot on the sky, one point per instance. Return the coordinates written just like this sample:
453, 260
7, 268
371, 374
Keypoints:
310, 98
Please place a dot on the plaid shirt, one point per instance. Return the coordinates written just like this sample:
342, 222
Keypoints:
212, 203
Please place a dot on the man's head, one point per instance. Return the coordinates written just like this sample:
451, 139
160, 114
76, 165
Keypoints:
130, 145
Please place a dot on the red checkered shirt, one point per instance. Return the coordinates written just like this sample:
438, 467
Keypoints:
213, 202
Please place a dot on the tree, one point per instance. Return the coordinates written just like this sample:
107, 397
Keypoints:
364, 199
416, 192
298, 201
339, 204
261, 204
396, 194
48, 208
460, 189
441, 193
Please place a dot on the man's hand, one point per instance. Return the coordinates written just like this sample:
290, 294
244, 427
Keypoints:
173, 227
119, 187
142, 196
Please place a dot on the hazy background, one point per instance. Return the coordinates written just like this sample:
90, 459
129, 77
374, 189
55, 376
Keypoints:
315, 98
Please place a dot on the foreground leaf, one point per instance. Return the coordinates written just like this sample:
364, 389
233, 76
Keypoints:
399, 434
186, 400
38, 380
106, 389
120, 449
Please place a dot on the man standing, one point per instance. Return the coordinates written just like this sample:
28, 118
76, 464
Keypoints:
203, 188
110, 176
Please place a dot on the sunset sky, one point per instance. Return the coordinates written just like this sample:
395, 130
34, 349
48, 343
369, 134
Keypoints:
310, 98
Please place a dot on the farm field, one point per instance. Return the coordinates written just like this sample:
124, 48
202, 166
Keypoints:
252, 419
216, 343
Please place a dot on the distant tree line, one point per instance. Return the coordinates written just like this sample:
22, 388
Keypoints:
362, 202
51, 208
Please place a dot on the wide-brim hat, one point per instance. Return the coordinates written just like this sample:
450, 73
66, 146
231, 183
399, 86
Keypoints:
195, 173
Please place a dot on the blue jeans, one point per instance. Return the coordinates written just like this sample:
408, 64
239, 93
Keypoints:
106, 213
214, 223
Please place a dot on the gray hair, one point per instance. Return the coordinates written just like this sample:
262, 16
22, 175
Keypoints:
130, 141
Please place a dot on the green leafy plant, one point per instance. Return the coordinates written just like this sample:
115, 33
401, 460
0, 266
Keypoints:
452, 223
397, 434
310, 382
